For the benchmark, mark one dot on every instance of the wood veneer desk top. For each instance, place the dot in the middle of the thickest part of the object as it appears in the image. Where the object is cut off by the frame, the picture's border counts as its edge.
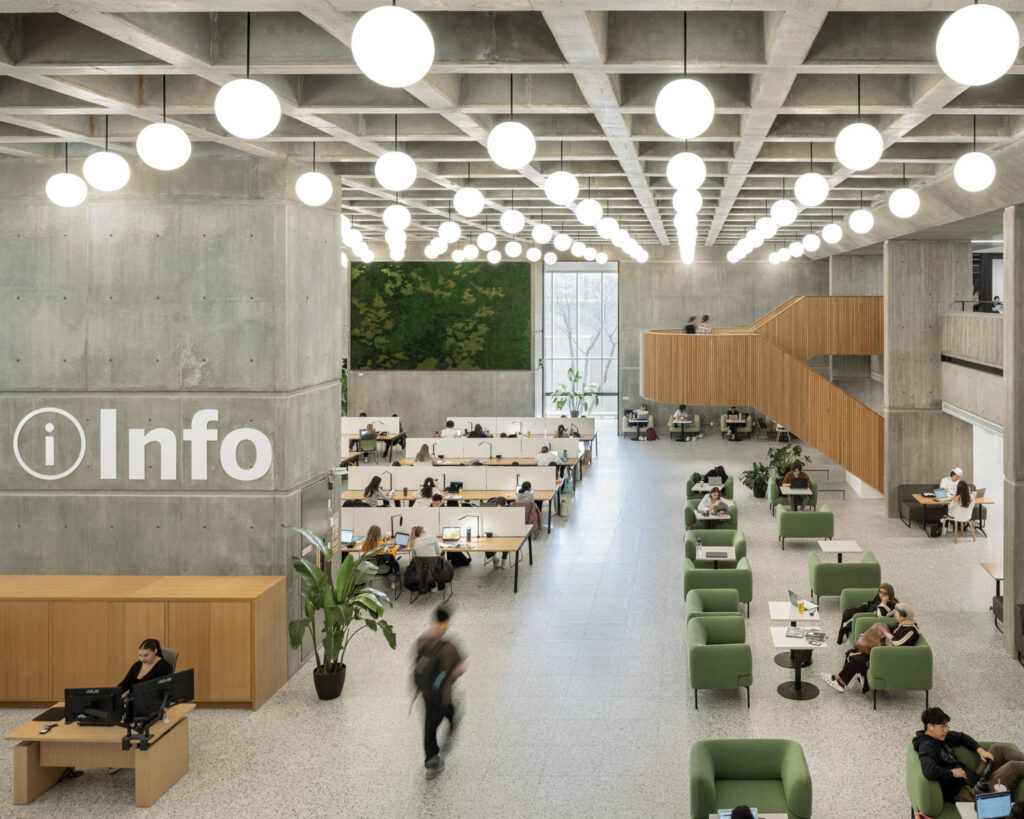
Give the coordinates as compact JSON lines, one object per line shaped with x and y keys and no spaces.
{"x":525,"y":461}
{"x":133,"y":587}
{"x":944,"y":501}
{"x":107,"y":734}
{"x":467,"y":494}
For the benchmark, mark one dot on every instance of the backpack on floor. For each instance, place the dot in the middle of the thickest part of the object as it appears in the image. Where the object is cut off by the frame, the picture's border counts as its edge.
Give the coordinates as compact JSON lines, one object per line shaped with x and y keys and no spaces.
{"x":935,"y":529}
{"x":459,"y":559}
{"x":651,"y":434}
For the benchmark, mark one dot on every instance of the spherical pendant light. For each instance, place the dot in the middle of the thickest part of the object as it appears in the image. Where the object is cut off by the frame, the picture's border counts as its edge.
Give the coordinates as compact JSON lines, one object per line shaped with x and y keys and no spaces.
{"x":563,"y":241}
{"x":861,"y":221}
{"x":685,"y":222}
{"x":396,"y":254}
{"x":974,"y":171}
{"x":247,"y":109}
{"x":577,"y":248}
{"x":395,"y":170}
{"x":784,"y":212}
{"x":733,"y":256}
{"x":811,"y":242}
{"x":449,"y":232}
{"x":487,"y":241}
{"x":470,"y":252}
{"x":754,"y":239}
{"x":561,"y":187}
{"x":904,"y":202}
{"x":590,"y":254}
{"x":589,"y":212}
{"x":687,"y":253}
{"x":541,"y":233}
{"x":811,"y":189}
{"x":686,"y":170}
{"x":392,"y":46}
{"x":355,"y":236}
{"x":550,"y":257}
{"x":511,"y":145}
{"x":430,"y":252}
{"x":859,"y":146}
{"x":106,"y":171}
{"x":397,"y":217}
{"x":314,"y":188}
{"x":684,"y":108}
{"x":796,"y":250}
{"x":394,"y":236}
{"x":458,"y":256}
{"x":494,"y":256}
{"x":367,"y":256}
{"x":533,"y":254}
{"x":512,"y":221}
{"x":620,"y":237}
{"x":68,"y":190}
{"x":513,"y":249}
{"x":468,"y":202}
{"x":602,"y":257}
{"x":766,"y":227}
{"x":977,"y":44}
{"x":605,"y":228}
{"x":773,"y":257}
{"x":832,"y":233}
{"x":687,"y":200}
{"x":784,"y":254}
{"x":163,"y":146}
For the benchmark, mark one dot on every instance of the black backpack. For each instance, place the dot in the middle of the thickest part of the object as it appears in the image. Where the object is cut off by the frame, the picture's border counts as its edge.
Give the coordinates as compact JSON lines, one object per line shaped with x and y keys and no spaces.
{"x":428,"y":674}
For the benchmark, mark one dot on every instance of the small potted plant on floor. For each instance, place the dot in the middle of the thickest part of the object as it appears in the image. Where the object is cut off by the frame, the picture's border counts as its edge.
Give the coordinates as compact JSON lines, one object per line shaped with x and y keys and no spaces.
{"x":756,"y":479}
{"x":578,"y":397}
{"x":346,"y":606}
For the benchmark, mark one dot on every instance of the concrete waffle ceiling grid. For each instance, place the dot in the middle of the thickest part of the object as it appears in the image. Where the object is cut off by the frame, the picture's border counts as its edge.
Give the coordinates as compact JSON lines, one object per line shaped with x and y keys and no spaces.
{"x":585,"y":77}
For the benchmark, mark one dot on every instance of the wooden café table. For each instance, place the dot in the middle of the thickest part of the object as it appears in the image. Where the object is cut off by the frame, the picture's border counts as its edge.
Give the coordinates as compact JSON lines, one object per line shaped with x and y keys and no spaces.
{"x":572,"y":463}
{"x":931,"y":503}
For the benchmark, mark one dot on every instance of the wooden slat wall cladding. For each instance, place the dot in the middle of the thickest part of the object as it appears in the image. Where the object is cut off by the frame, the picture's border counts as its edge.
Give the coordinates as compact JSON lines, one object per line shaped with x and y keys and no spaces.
{"x":747,"y":368}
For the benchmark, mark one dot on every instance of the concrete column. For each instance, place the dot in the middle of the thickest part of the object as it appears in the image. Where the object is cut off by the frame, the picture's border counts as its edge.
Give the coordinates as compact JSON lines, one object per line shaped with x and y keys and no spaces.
{"x":921,"y":442}
{"x":853,"y":276}
{"x":1013,"y":435}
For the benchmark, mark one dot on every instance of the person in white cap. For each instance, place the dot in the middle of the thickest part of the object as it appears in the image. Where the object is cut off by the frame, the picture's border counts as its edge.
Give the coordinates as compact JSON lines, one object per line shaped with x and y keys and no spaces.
{"x":949,"y":484}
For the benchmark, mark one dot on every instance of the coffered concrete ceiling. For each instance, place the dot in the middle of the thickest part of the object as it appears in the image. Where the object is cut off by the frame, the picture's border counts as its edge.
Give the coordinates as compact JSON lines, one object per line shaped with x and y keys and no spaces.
{"x":586,"y":73}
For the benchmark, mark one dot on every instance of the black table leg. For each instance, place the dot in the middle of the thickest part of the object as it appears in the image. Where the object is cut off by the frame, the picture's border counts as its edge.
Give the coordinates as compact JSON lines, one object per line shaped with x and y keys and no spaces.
{"x":798,"y":689}
{"x":515,"y":580}
{"x":530,"y":541}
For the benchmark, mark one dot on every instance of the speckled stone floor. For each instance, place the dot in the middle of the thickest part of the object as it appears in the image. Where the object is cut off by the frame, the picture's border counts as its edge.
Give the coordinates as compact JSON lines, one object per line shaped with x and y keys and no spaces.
{"x":576,"y":702}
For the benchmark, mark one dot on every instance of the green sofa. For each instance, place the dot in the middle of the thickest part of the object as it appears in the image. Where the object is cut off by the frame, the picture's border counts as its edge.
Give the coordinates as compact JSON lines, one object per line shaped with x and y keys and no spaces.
{"x":818,"y":525}
{"x":850,"y":598}
{"x":768,"y":774}
{"x":727,"y":489}
{"x":690,"y":517}
{"x":712,"y":603}
{"x":829,"y":579}
{"x":926,"y":796}
{"x":719,"y":654}
{"x":715,"y":537}
{"x":776,"y":498}
{"x":741,"y":579}
{"x":896,"y":668}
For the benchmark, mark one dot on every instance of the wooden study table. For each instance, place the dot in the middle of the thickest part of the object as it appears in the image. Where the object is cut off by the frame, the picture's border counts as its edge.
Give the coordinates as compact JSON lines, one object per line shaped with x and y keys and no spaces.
{"x":573,"y":463}
{"x":40,"y":759}
{"x":931,"y":503}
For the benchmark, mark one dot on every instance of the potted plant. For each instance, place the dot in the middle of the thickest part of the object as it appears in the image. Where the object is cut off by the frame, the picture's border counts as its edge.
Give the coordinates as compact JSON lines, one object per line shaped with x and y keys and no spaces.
{"x":756,"y":479}
{"x":347,"y":606}
{"x":578,"y":397}
{"x":780,"y":458}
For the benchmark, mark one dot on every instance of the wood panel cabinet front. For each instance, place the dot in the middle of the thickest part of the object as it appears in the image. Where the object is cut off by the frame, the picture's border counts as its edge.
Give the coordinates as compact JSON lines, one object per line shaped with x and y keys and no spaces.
{"x":25,"y":637}
{"x":215,"y":638}
{"x":130,"y":624}
{"x":79,"y":645}
{"x":188,"y":631}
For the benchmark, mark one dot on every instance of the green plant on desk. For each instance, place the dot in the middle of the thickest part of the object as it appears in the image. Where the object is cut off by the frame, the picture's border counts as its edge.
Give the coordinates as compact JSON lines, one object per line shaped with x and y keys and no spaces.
{"x":580,"y":398}
{"x":756,"y":478}
{"x":348,"y":605}
{"x":780,"y":458}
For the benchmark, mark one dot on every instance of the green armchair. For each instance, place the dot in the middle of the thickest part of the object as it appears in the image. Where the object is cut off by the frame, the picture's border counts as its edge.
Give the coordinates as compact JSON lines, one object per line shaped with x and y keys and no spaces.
{"x":716,"y":537}
{"x":775,"y":496}
{"x":768,"y":774}
{"x":741,"y":579}
{"x":819,"y":525}
{"x":712,"y":603}
{"x":851,"y":598}
{"x":719,"y":654}
{"x":690,"y":517}
{"x":830,"y":579}
{"x":926,"y":795}
{"x":896,"y":668}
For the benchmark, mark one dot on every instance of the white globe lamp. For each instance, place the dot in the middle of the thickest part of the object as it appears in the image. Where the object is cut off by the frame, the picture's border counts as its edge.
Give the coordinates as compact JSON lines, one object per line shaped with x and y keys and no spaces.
{"x":561,"y":187}
{"x":606,"y":227}
{"x":550,"y":257}
{"x":394,"y":236}
{"x":563,"y":241}
{"x":494,"y":256}
{"x":602,"y":257}
{"x":395,"y":170}
{"x":68,"y":190}
{"x":513,"y":249}
{"x":811,"y":189}
{"x":859,"y":146}
{"x":396,"y":254}
{"x":512,"y":221}
{"x":686,"y":170}
{"x":861,"y":221}
{"x":397,"y":217}
{"x":541,"y":233}
{"x":977,"y":44}
{"x":784,"y":212}
{"x":684,"y":108}
{"x":367,"y":256}
{"x":511,"y":145}
{"x":577,"y":248}
{"x":106,"y":171}
{"x":487,"y":241}
{"x":685,"y":222}
{"x":247,"y":109}
{"x":766,"y":227}
{"x":796,"y":250}
{"x":784,"y":254}
{"x":974,"y":171}
{"x":314,"y":188}
{"x":589,"y":212}
{"x":904,"y":202}
{"x":811,"y":242}
{"x":163,"y":146}
{"x":687,"y":254}
{"x":449,"y":232}
{"x":468,"y":202}
{"x":470,"y":252}
{"x":392,"y":46}
{"x":687,"y":200}
{"x":458,"y":256}
{"x":832,"y":233}
{"x":533,"y":254}
{"x":773,"y":257}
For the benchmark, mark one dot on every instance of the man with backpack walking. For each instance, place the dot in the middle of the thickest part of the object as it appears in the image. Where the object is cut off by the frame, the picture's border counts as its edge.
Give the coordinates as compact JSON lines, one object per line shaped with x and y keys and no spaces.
{"x":438,"y":664}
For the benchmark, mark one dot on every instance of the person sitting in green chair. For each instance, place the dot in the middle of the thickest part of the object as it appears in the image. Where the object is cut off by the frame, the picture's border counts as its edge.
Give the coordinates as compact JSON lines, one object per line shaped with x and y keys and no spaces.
{"x":882,"y":606}
{"x":714,"y":503}
{"x":854,"y":674}
{"x":935,"y":745}
{"x":742,"y":812}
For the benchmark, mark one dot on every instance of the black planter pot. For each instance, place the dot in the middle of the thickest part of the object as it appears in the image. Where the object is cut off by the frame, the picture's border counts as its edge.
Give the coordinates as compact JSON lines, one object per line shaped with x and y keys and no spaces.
{"x":328,"y":684}
{"x":574,"y":413}
{"x":760,"y":490}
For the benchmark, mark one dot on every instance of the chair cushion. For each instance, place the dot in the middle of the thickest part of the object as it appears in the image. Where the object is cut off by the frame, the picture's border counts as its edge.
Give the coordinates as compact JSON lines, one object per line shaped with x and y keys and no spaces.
{"x":764,"y":794}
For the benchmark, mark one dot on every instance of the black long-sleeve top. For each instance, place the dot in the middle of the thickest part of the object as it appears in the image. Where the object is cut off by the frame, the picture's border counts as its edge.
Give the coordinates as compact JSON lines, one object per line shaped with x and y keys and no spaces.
{"x":161,"y":669}
{"x":939,"y":760}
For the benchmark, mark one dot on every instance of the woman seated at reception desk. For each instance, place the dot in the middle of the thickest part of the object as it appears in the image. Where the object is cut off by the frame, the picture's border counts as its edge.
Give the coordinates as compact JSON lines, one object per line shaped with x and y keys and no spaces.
{"x":151,"y":665}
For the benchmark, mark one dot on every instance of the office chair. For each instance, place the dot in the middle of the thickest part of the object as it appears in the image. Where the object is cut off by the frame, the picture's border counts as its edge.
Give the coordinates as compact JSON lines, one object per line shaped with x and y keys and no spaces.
{"x":171,"y":655}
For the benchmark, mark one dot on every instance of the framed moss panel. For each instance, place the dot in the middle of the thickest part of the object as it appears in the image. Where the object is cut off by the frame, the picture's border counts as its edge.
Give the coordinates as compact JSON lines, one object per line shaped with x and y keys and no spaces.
{"x":440,"y":316}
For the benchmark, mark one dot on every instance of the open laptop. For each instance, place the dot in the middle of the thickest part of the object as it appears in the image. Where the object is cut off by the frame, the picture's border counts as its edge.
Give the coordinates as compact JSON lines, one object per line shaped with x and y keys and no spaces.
{"x":940,"y":494}
{"x":450,"y":534}
{"x":726,"y":813}
{"x":800,"y":483}
{"x":993,"y":805}
{"x":346,"y":538}
{"x":795,"y":600}
{"x":720,"y":507}
{"x":362,"y":432}
{"x":401,"y":540}
{"x":715,"y":480}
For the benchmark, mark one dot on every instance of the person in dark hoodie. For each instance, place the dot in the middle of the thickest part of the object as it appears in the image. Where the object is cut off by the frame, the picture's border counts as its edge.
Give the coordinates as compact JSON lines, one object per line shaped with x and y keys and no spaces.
{"x":936,"y":744}
{"x":881,"y":606}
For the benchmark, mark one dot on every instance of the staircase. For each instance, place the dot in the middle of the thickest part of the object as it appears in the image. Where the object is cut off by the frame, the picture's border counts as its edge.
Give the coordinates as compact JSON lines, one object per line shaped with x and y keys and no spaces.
{"x":763,"y":366}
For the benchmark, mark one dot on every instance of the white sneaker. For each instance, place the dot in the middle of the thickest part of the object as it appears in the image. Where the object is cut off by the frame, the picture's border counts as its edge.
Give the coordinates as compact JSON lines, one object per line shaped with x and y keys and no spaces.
{"x":495,"y":561}
{"x":832,"y":682}
{"x":504,"y":561}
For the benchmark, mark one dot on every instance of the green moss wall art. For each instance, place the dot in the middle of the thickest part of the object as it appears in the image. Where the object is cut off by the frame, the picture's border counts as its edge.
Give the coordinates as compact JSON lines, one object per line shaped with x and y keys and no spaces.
{"x":440,"y":316}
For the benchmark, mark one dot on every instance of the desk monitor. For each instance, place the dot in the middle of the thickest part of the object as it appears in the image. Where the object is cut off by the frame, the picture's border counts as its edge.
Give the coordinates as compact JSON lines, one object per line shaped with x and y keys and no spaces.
{"x":93,"y":706}
{"x":401,"y":539}
{"x":450,"y":533}
{"x":994,"y":805}
{"x":151,"y":697}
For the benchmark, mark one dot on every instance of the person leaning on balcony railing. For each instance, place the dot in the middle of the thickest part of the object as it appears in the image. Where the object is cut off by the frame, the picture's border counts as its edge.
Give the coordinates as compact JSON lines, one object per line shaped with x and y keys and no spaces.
{"x":704,"y":328}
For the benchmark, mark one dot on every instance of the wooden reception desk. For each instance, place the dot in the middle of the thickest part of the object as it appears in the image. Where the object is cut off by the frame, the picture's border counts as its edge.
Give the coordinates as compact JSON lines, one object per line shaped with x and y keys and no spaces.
{"x":71,"y":631}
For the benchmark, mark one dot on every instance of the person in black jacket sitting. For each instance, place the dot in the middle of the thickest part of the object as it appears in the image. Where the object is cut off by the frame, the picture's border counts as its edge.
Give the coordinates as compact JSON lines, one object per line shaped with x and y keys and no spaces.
{"x":151,"y":665}
{"x":935,"y":746}
{"x":881,"y":606}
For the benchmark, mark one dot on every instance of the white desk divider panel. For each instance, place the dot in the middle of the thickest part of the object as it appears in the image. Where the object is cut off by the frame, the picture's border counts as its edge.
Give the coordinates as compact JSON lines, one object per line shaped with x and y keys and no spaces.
{"x":535,"y":426}
{"x":466,"y":424}
{"x":514,"y":448}
{"x":500,"y":521}
{"x":387,"y":424}
{"x":403,"y":477}
{"x":472,"y":477}
{"x":540,"y":477}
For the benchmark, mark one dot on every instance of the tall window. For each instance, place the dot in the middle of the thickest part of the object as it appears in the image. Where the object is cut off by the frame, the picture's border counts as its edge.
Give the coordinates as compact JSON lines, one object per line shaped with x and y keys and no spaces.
{"x":581,"y":330}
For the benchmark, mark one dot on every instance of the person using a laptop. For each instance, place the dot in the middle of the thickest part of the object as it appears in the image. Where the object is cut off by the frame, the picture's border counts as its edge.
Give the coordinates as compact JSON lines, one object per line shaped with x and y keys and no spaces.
{"x":797,"y":479}
{"x":714,"y":504}
{"x":373,"y":539}
{"x":935,"y":745}
{"x":426,"y":494}
{"x":449,"y":430}
{"x":478,"y":432}
{"x":373,"y":495}
{"x":949,"y":484}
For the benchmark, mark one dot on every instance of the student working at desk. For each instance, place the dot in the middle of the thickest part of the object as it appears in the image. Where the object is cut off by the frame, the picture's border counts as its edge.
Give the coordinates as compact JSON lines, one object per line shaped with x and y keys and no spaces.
{"x":373,"y":495}
{"x":449,"y":430}
{"x":374,"y":539}
{"x":714,"y":504}
{"x":949,"y":484}
{"x":796,"y":473}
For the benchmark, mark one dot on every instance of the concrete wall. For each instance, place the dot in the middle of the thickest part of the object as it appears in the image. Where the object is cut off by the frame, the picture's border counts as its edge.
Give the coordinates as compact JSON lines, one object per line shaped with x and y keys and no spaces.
{"x":974,"y":337}
{"x":663,"y":293}
{"x":210,"y":288}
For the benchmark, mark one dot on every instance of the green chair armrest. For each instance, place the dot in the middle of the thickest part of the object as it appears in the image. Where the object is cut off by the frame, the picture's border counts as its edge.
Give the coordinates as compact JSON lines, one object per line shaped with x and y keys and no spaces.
{"x":796,"y":781}
{"x":863,"y":621}
{"x":856,"y":596}
{"x":703,"y":797}
{"x":722,"y":630}
{"x":711,"y":602}
{"x":925,"y":795}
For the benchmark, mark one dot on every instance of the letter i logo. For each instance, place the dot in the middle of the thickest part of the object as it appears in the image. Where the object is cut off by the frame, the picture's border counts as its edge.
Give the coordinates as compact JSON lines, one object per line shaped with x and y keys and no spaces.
{"x":49,"y":448}
{"x":48,"y":458}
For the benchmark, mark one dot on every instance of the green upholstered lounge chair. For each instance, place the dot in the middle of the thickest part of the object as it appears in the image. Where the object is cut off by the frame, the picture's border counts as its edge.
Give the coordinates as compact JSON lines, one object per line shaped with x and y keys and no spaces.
{"x":849,"y":598}
{"x":712,"y":603}
{"x":715,"y":537}
{"x":690,"y":517}
{"x":926,"y":796}
{"x":768,"y":774}
{"x":727,"y":489}
{"x":819,"y":525}
{"x":896,"y":668}
{"x":741,"y":579}
{"x":829,"y":579}
{"x":719,"y":654}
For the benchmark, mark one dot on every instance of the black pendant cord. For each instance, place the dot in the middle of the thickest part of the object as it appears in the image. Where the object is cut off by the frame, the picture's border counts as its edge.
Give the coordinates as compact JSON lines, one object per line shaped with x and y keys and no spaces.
{"x":974,"y":131}
{"x":511,"y":108}
{"x":65,"y":157}
{"x":783,"y":187}
{"x":106,"y":135}
{"x":858,"y":98}
{"x":165,"y":99}
{"x":314,"y":156}
{"x":561,"y":155}
{"x":248,"y":41}
{"x":684,"y":44}
{"x":812,"y":157}
{"x":904,"y":174}
{"x":396,"y":132}
{"x":467,"y":175}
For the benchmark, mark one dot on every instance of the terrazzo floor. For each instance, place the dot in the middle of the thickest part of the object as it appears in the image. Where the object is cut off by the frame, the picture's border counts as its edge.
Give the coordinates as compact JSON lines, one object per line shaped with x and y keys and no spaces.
{"x":576,"y":701}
